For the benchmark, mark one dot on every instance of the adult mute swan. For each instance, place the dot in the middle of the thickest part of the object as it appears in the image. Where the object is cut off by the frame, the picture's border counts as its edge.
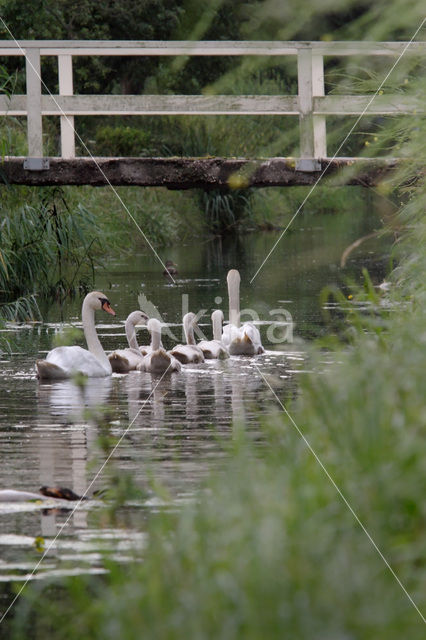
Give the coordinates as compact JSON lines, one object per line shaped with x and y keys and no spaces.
{"x":157,"y":360}
{"x":189,"y":352}
{"x":125,"y":360}
{"x":214,"y":349}
{"x":63,"y":362}
{"x":245,"y":340}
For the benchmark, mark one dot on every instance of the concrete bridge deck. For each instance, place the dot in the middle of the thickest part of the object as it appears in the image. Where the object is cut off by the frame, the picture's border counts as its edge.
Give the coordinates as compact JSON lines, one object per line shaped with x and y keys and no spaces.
{"x":204,"y":173}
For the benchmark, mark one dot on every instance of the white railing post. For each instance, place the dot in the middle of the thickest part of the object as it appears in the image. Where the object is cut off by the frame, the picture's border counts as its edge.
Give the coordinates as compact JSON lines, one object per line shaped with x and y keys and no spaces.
{"x":67,"y":122}
{"x":34,"y":122}
{"x":320,"y":135}
{"x":310,"y":72}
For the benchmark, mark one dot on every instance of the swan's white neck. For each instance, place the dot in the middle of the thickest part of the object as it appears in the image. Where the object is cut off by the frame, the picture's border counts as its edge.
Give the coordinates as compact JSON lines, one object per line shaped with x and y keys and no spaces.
{"x":188,"y":329}
{"x":217,"y":319}
{"x":234,"y":297}
{"x":131,"y":335}
{"x":155,"y":329}
{"x":93,"y":344}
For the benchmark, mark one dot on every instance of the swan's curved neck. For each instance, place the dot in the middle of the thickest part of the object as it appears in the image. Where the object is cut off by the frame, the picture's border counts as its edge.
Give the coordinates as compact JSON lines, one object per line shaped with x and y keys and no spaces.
{"x":217,"y":325}
{"x":93,"y":344}
{"x":131,"y":335}
{"x":234,"y":298}
{"x":155,"y":329}
{"x":189,"y":330}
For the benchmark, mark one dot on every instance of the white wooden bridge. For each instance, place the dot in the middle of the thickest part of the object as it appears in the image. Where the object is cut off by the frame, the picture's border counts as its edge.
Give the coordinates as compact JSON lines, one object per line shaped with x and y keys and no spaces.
{"x":310,"y":105}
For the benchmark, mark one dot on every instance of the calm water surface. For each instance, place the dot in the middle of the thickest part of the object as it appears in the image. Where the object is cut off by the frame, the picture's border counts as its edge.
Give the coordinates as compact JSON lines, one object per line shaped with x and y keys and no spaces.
{"x":177,"y":429}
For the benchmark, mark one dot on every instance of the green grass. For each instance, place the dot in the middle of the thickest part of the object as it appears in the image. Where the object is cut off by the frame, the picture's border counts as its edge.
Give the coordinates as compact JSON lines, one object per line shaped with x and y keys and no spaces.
{"x":46,"y":246}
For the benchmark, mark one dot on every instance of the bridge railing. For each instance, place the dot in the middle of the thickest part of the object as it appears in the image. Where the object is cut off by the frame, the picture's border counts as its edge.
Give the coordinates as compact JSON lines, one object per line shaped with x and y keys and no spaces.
{"x":310,"y":105}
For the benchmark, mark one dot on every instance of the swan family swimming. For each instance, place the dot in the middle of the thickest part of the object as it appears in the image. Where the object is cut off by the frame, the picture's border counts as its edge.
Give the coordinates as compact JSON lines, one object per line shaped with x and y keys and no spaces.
{"x":232,"y":340}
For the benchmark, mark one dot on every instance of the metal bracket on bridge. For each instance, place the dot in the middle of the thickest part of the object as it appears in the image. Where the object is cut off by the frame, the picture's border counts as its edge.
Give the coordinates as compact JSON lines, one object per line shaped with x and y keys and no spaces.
{"x":309,"y":165}
{"x":36,"y":164}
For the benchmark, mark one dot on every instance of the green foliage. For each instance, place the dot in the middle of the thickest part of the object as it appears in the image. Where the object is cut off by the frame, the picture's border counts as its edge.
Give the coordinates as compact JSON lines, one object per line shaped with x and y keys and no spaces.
{"x":122,"y":141}
{"x":365,"y":310}
{"x":45,"y":247}
{"x":164,"y":216}
{"x":23,"y":308}
{"x":226,"y":211}
{"x":90,"y":19}
{"x":68,"y":335}
{"x":7,"y":82}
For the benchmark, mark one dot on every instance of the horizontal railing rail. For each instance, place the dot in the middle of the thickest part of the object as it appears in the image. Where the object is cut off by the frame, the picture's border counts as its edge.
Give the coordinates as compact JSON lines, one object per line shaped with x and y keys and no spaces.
{"x":311,"y":104}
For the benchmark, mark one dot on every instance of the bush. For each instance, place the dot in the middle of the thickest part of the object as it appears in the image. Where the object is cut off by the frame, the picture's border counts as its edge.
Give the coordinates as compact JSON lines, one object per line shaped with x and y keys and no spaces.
{"x":46,"y":247}
{"x":122,"y":141}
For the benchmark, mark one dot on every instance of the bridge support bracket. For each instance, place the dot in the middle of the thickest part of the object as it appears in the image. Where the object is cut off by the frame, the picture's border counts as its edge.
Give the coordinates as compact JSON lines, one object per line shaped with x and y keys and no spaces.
{"x":309,"y":165}
{"x":36,"y":164}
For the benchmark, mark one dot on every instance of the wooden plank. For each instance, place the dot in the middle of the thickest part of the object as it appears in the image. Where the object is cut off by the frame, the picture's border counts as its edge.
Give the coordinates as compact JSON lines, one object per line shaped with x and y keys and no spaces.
{"x":67,"y":122}
{"x":380,"y":104}
{"x":33,"y":106}
{"x":155,"y":105}
{"x":13,"y":106}
{"x":203,"y":48}
{"x":319,"y":123}
{"x":304,"y":81}
{"x":209,"y":105}
{"x":189,"y":173}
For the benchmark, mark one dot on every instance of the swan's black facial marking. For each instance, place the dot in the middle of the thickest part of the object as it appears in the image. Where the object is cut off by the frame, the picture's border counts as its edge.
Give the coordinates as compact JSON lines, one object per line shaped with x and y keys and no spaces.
{"x":106,"y":306}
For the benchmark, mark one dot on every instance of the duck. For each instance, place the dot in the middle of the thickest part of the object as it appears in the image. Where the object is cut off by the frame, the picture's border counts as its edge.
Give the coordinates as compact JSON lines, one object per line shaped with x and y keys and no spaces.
{"x":171,"y":268}
{"x":245,"y":340}
{"x":158,"y":360}
{"x":125,"y":360}
{"x":64,"y":362}
{"x":189,"y":352}
{"x":214,"y":349}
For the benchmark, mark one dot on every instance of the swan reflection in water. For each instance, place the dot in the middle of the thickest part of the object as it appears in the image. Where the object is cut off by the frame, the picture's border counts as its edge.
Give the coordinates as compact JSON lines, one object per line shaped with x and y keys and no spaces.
{"x":69,"y":455}
{"x":173,"y":422}
{"x":66,"y":398}
{"x":210,"y":396}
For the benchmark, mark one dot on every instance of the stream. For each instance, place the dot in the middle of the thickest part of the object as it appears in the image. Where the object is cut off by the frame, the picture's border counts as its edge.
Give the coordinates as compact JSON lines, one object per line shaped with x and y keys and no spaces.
{"x":176,"y":430}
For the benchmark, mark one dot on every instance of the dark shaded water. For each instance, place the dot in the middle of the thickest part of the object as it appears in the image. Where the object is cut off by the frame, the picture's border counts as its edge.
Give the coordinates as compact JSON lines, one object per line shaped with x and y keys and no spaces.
{"x":177,"y":429}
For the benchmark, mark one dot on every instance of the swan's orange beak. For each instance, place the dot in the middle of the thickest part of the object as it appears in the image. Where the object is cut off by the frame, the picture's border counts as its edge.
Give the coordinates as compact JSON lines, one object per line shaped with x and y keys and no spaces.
{"x":107,"y":307}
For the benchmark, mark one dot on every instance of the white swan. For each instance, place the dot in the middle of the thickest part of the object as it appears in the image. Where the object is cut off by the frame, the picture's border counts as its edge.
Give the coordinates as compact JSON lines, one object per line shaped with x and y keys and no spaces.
{"x":63,"y":362}
{"x":188,"y":352}
{"x":157,"y":360}
{"x":245,"y":340}
{"x":214,"y":349}
{"x":125,"y":360}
